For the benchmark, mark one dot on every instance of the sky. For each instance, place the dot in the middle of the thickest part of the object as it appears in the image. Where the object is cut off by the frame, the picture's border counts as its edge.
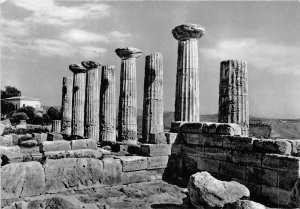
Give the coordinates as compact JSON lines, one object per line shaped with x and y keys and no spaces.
{"x":40,"y":39}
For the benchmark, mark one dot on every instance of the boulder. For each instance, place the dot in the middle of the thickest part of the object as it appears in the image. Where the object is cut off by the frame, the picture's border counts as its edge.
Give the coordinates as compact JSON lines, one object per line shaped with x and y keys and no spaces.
{"x":2,"y":128}
{"x":6,"y":140}
{"x":245,"y":204}
{"x":29,"y":143}
{"x":7,"y":123}
{"x":207,"y":192}
{"x":73,"y":173}
{"x":22,"y":180}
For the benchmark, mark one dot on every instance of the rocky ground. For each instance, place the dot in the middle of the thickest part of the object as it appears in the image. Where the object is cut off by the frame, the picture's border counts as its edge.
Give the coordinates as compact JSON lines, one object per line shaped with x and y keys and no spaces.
{"x":156,"y":194}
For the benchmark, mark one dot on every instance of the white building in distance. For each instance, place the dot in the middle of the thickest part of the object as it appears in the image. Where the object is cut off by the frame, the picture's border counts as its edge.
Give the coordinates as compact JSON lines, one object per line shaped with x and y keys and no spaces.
{"x":24,"y":101}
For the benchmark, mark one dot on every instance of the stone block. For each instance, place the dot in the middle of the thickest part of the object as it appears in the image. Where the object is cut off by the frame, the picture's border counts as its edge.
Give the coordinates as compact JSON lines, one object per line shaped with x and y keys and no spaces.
{"x":142,"y":176}
{"x":44,"y":136}
{"x":247,"y":158}
{"x":191,"y":127}
{"x":172,"y":138}
{"x":278,"y":146}
{"x":112,"y":171}
{"x":208,"y":165}
{"x":193,"y":150}
{"x":175,"y":126}
{"x":22,"y":180}
{"x":29,"y":143}
{"x":238,"y":142}
{"x":278,"y":197}
{"x":212,"y":140}
{"x":192,"y":139}
{"x":295,"y":147}
{"x":73,"y":173}
{"x":6,"y":140}
{"x":133,"y":163}
{"x":157,"y":138}
{"x":155,"y":150}
{"x":176,"y":149}
{"x":15,"y":139}
{"x":15,"y":149}
{"x":54,"y":137}
{"x":157,"y":162}
{"x":83,"y":153}
{"x":83,"y":144}
{"x":231,"y":129}
{"x":10,"y":154}
{"x":2,"y":128}
{"x":232,"y":170}
{"x":262,"y":176}
{"x":189,"y":164}
{"x":287,"y":180}
{"x":133,"y":149}
{"x":281,"y":163}
{"x":47,"y":146}
{"x":40,"y":137}
{"x":217,"y":154}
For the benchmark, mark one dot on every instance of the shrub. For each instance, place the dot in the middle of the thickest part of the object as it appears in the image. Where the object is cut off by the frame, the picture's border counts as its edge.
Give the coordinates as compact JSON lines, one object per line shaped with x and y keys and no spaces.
{"x":16,"y":117}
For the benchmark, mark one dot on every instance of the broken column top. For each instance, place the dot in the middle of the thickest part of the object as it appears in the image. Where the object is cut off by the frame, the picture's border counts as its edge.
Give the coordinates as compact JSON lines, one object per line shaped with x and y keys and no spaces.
{"x":129,"y":52}
{"x":90,"y":64}
{"x":234,"y":63}
{"x":77,"y":68}
{"x":188,"y":31}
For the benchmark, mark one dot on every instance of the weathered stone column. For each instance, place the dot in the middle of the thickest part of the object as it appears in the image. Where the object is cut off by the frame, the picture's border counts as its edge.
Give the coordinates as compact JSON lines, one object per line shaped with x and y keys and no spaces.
{"x":187,"y":101}
{"x":66,"y":105}
{"x":91,"y":122}
{"x":128,"y":95}
{"x":233,"y":94}
{"x":56,"y":126}
{"x":153,"y":107}
{"x":78,"y":103}
{"x":108,"y":104}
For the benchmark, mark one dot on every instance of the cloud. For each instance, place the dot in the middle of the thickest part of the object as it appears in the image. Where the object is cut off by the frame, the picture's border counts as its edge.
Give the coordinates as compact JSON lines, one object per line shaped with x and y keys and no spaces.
{"x":91,"y":51}
{"x":51,"y":13}
{"x":81,"y":36}
{"x":272,"y":57}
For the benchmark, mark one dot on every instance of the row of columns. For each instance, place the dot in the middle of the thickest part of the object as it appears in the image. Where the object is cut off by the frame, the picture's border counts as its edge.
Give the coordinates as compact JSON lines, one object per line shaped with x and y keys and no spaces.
{"x":233,"y":95}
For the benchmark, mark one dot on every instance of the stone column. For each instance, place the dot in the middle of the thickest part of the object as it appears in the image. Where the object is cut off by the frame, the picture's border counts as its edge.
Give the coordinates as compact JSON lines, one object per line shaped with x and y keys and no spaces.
{"x":233,"y":94}
{"x":187,"y":101}
{"x":56,"y":126}
{"x":153,"y":107}
{"x":78,"y":102}
{"x":66,"y":105}
{"x":91,"y":122}
{"x":108,"y":104}
{"x":128,"y":95}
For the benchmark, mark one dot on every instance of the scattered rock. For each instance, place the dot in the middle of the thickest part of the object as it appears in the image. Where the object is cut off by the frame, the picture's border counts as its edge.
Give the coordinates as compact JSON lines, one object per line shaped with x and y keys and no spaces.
{"x":205,"y":191}
{"x":29,"y":143}
{"x":245,"y":204}
{"x":7,"y":123}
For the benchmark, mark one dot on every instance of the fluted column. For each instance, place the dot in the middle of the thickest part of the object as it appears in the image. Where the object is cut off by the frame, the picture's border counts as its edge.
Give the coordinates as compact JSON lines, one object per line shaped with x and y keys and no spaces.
{"x":78,"y":102}
{"x":233,"y":94}
{"x":66,"y":105}
{"x":91,"y":122}
{"x":56,"y":126}
{"x":108,"y":104}
{"x":128,"y":95}
{"x":153,"y":108}
{"x":187,"y":98}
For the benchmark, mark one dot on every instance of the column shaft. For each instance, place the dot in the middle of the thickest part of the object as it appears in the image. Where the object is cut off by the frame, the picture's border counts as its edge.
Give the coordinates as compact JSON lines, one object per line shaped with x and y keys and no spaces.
{"x":128,"y":101}
{"x":108,"y":104}
{"x":78,"y":104}
{"x":153,"y":96}
{"x":233,"y":94}
{"x":56,"y":126}
{"x":187,"y":101}
{"x":67,"y":105}
{"x":91,"y":123}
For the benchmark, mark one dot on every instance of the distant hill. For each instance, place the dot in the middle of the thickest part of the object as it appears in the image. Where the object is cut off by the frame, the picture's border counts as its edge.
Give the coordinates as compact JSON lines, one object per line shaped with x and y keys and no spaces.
{"x":259,"y":127}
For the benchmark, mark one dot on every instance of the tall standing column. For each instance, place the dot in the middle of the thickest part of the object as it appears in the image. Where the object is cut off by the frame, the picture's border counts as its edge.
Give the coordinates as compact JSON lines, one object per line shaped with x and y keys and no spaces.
{"x":187,"y":98}
{"x":78,"y":103}
{"x":91,"y":122}
{"x":128,"y":95}
{"x":56,"y":126}
{"x":153,"y":109}
{"x":66,"y":105}
{"x":108,"y":104}
{"x":233,"y":94}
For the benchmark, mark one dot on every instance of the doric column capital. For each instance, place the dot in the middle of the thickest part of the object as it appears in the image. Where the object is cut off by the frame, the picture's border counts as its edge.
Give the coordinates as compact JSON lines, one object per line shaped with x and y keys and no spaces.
{"x":128,"y":52}
{"x":188,"y":31}
{"x":90,"y":64}
{"x":77,"y":68}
